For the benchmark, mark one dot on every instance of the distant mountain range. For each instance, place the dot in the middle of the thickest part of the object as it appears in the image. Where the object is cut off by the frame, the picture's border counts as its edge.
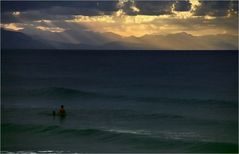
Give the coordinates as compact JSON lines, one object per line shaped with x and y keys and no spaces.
{"x":18,"y":40}
{"x":102,"y":41}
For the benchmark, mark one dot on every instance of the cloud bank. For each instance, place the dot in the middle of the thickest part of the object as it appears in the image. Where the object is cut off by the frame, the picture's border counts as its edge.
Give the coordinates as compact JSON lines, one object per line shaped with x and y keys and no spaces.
{"x":124,"y":18}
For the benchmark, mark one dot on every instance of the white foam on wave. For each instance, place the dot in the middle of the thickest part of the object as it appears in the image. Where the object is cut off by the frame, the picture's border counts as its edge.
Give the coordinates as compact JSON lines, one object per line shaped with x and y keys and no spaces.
{"x":138,"y":132}
{"x":178,"y":135}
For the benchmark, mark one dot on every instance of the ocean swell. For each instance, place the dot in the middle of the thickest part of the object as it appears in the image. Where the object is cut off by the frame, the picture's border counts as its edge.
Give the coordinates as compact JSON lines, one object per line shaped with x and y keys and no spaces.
{"x":143,"y":140}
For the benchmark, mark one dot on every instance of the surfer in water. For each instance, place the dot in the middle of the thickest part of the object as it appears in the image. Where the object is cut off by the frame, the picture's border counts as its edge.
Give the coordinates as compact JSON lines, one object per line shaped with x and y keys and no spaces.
{"x":62,"y":111}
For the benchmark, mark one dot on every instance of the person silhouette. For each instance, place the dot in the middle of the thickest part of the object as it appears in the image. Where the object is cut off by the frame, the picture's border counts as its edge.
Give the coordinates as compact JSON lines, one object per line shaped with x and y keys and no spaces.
{"x":62,"y":111}
{"x":53,"y":113}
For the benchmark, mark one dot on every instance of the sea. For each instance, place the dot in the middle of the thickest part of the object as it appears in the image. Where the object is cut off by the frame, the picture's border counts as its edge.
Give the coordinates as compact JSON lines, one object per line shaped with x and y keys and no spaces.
{"x":119,"y":101}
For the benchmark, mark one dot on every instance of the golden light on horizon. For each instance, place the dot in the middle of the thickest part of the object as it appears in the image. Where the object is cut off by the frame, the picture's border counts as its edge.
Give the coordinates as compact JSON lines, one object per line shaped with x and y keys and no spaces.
{"x":126,"y":24}
{"x":43,"y":21}
{"x":208,"y":17}
{"x":51,"y":29}
{"x":138,"y":25}
{"x":129,"y":21}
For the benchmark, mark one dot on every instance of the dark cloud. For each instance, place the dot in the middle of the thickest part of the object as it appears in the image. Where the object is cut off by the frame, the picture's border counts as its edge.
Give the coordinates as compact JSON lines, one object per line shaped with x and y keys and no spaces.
{"x":154,"y":7}
{"x":50,"y":10}
{"x":182,"y":5}
{"x":32,"y":15}
{"x":10,"y":6}
{"x":109,"y":6}
{"x":92,"y":8}
{"x":216,"y":8}
{"x":88,"y":7}
{"x":63,"y":10}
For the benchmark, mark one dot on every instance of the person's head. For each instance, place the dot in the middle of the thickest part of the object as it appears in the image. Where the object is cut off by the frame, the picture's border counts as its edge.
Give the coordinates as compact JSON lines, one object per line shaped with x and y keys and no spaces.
{"x":62,"y":106}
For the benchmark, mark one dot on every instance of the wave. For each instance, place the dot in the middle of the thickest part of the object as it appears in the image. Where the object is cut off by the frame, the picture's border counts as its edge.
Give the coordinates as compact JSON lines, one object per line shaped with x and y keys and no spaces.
{"x":142,"y":141}
{"x":60,"y":92}
{"x":55,"y":129}
{"x":154,"y":99}
{"x":68,"y":93}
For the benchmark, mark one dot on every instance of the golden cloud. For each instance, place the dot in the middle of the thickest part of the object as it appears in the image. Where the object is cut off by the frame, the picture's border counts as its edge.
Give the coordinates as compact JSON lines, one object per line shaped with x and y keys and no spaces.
{"x":138,"y":25}
{"x":12,"y":26}
{"x":51,"y":29}
{"x":17,"y":13}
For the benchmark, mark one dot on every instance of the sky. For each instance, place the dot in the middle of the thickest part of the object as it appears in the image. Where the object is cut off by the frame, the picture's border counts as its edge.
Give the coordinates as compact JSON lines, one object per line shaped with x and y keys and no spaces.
{"x":61,"y":20}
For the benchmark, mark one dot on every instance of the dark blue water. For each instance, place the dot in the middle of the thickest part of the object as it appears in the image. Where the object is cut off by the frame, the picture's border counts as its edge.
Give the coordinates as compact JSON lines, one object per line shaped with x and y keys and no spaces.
{"x":120,"y":101}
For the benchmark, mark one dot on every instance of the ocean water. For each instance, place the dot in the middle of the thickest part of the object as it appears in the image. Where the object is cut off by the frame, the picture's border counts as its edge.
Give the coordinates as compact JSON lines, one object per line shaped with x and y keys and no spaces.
{"x":119,"y":101}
